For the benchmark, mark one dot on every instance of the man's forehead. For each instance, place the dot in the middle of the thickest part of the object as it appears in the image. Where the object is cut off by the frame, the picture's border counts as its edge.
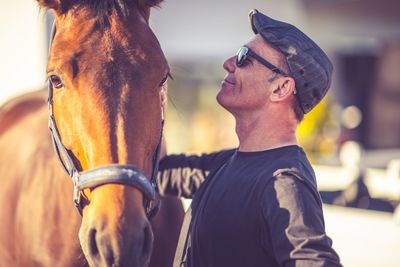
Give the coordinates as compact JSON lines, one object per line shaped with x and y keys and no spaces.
{"x":261,"y":47}
{"x":255,"y":41}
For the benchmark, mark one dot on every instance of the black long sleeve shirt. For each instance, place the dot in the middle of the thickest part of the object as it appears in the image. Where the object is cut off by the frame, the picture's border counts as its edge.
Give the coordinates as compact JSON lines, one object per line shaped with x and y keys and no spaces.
{"x":253,"y":208}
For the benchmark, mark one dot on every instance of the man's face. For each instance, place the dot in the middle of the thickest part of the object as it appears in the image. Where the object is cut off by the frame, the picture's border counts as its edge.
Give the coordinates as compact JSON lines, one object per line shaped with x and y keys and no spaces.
{"x":248,"y":87}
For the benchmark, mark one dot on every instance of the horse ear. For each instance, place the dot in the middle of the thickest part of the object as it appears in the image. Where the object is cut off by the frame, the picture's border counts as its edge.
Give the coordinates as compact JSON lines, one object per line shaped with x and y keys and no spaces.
{"x":149,"y":3}
{"x":59,"y":6}
{"x":146,"y":5}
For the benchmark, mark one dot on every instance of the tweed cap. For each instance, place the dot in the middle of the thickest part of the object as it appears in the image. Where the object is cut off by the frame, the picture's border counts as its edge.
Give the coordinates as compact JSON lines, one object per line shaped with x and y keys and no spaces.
{"x":309,"y":66}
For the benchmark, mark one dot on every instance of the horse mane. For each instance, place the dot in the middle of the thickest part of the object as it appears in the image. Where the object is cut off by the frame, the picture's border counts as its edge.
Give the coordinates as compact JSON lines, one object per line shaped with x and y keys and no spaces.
{"x":102,"y":8}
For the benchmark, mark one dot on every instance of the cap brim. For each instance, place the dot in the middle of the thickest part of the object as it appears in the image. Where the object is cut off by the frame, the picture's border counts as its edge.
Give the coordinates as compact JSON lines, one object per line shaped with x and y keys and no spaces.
{"x":252,"y":14}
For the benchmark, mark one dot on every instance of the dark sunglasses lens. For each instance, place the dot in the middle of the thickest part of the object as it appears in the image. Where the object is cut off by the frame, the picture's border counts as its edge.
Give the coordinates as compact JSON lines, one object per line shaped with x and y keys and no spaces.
{"x":241,"y":56}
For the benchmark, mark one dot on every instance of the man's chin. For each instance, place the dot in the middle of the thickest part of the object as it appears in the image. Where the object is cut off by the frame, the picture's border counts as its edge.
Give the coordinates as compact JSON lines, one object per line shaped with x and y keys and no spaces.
{"x":223,"y":100}
{"x":220,"y":97}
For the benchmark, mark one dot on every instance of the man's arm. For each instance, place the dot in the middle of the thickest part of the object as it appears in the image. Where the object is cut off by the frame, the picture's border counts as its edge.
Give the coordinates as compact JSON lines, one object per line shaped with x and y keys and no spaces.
{"x":293,"y":218}
{"x":181,"y":175}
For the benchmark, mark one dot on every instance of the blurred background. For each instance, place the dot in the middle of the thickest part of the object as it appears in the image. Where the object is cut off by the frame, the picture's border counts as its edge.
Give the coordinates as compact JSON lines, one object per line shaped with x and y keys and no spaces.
{"x":352,"y":137}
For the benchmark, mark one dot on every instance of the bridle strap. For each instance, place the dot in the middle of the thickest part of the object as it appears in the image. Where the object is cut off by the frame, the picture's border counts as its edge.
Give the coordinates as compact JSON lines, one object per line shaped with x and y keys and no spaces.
{"x":114,"y":174}
{"x":61,"y":152}
{"x":156,"y":160}
{"x":154,"y":206}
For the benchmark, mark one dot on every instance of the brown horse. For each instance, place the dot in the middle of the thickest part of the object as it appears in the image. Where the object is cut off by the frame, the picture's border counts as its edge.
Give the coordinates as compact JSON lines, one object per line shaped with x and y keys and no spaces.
{"x":107,"y":75}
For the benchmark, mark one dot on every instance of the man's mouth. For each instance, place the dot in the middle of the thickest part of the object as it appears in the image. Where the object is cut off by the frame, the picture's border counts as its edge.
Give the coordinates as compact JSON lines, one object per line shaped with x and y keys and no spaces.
{"x":229,"y":80}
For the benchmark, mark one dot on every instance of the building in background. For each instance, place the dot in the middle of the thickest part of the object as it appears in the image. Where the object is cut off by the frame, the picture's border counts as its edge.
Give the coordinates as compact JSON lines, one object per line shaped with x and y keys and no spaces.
{"x":364,"y":39}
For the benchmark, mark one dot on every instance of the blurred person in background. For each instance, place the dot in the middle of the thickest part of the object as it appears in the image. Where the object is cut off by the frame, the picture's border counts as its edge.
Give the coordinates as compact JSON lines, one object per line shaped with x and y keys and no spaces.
{"x":258,"y":204}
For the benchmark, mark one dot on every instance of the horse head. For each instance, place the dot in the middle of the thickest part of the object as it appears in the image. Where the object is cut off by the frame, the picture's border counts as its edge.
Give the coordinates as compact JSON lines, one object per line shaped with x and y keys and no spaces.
{"x":106,"y":75}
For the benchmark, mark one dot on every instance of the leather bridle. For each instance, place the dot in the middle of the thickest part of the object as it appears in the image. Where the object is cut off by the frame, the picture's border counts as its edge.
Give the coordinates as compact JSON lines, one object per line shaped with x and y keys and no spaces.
{"x":111,"y":174}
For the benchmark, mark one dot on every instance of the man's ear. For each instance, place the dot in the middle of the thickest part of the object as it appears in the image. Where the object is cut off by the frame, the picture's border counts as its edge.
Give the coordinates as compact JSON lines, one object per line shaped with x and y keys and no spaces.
{"x":283,"y":87}
{"x":59,"y":6}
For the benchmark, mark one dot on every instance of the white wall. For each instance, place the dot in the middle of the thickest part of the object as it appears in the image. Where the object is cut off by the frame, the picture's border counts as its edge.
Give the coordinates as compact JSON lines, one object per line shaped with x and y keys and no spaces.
{"x":22,"y":47}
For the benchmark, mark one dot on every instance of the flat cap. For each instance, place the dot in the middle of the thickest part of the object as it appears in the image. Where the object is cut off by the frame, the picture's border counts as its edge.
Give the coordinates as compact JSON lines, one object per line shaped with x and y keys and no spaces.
{"x":309,"y":66}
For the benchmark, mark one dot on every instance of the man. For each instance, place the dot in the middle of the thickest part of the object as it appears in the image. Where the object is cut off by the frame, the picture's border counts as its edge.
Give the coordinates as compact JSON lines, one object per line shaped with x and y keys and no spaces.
{"x":259,"y":204}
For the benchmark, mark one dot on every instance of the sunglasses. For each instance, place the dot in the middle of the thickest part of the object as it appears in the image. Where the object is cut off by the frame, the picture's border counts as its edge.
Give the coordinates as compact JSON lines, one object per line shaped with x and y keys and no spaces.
{"x":245,"y":52}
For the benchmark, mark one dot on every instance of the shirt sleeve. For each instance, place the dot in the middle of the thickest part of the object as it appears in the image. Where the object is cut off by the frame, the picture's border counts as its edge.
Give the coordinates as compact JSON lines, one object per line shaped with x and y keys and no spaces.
{"x":181,"y":175}
{"x":293,"y":220}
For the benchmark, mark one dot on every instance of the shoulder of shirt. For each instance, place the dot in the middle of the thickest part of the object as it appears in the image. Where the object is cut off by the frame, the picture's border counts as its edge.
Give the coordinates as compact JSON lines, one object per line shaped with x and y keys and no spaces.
{"x":295,"y":168}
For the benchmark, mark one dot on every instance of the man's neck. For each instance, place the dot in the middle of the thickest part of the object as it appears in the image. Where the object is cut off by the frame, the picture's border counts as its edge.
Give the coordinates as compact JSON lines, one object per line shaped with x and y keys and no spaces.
{"x":258,"y":132}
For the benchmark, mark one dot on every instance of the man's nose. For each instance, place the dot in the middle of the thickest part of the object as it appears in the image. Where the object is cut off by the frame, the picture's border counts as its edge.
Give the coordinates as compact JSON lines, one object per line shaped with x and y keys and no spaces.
{"x":230,"y":64}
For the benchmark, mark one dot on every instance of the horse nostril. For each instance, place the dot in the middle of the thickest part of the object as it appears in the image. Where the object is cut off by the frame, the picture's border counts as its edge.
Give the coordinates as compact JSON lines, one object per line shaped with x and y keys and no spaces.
{"x":92,"y":244}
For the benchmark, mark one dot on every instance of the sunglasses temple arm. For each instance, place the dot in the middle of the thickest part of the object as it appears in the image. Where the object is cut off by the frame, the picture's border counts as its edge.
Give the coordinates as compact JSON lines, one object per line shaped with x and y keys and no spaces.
{"x":266,"y":63}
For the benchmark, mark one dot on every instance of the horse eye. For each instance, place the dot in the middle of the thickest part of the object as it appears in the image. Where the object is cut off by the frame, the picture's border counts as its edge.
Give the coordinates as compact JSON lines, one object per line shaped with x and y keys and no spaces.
{"x":164,"y":80}
{"x":56,"y":81}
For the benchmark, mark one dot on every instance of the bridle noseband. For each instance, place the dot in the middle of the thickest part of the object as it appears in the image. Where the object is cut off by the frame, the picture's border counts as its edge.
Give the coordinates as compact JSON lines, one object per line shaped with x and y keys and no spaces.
{"x":112,"y":174}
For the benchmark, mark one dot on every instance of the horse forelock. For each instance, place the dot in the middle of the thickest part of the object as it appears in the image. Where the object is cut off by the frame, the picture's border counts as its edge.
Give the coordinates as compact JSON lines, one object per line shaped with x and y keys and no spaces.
{"x":103,"y":8}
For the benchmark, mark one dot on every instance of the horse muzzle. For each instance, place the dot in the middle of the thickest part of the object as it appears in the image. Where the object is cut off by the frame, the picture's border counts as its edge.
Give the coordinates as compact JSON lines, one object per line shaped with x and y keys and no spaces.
{"x":110,"y":237}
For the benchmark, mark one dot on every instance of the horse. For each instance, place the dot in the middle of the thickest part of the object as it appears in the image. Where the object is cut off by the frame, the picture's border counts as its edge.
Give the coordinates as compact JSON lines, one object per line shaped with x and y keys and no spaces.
{"x":104,"y":106}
